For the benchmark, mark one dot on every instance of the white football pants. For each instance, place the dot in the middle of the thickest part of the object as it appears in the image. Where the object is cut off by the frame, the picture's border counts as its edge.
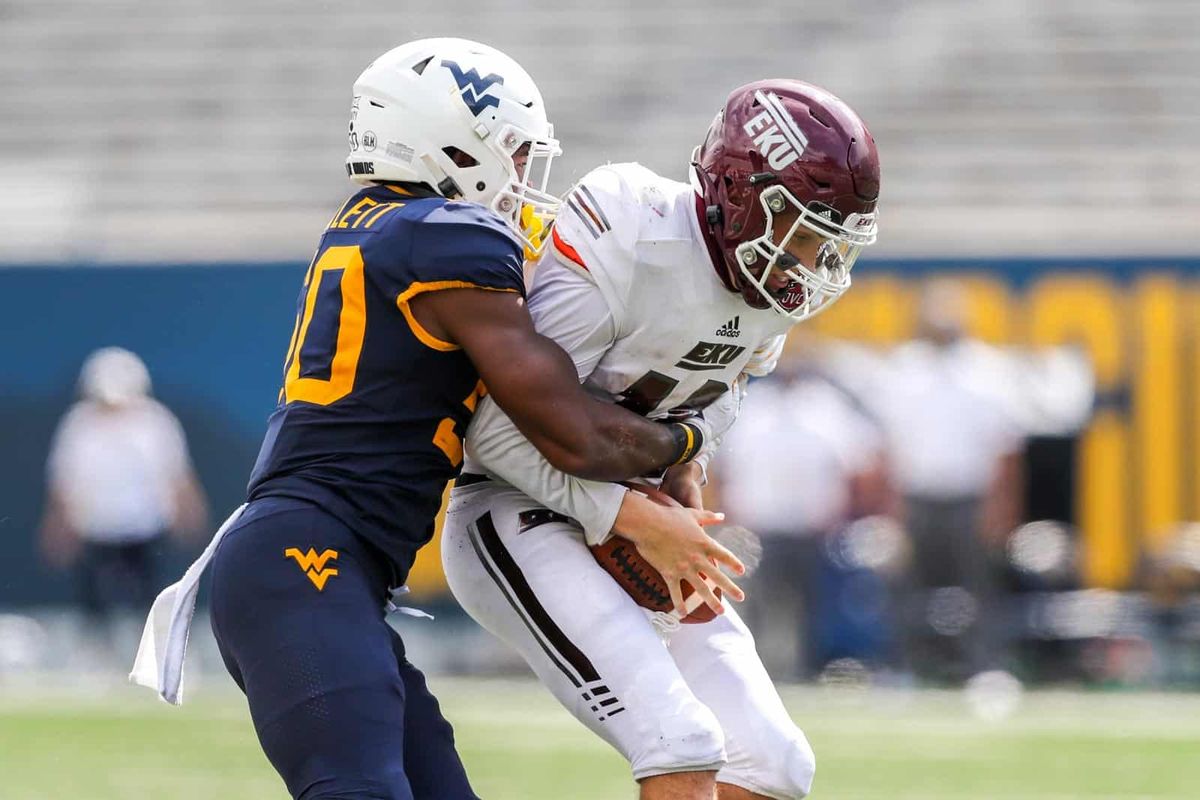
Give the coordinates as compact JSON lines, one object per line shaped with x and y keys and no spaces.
{"x":700,"y":700}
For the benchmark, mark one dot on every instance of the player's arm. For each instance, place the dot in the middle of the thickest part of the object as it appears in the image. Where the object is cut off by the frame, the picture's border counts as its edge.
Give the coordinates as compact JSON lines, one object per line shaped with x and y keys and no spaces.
{"x":671,"y":539}
{"x":536,"y":383}
{"x":58,"y":539}
{"x":570,"y":308}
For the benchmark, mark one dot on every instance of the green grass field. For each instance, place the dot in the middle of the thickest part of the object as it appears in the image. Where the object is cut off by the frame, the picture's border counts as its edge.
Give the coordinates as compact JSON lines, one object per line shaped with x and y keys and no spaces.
{"x":123,"y":744}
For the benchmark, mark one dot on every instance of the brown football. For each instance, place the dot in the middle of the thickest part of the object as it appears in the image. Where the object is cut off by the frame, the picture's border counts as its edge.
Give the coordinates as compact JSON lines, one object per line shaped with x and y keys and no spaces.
{"x":621,"y":559}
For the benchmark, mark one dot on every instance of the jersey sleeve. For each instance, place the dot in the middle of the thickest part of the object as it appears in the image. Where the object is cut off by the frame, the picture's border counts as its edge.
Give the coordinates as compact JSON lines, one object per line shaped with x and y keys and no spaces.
{"x":453,"y":246}
{"x":766,"y":357}
{"x":495,"y":446}
{"x":569,"y":308}
{"x":596,"y":232}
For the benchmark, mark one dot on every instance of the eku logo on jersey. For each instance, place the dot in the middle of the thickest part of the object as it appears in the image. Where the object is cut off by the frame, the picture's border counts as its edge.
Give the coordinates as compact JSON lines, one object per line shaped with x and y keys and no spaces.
{"x":775,"y":133}
{"x":710,"y":355}
{"x":314,"y":565}
{"x":473,"y":89}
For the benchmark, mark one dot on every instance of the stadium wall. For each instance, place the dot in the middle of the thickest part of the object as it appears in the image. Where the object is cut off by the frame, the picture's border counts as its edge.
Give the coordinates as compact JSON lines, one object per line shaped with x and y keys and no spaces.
{"x":214,"y":338}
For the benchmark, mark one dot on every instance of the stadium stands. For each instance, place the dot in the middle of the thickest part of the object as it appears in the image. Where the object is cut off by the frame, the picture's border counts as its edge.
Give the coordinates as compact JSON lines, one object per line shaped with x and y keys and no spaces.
{"x":1007,"y":128}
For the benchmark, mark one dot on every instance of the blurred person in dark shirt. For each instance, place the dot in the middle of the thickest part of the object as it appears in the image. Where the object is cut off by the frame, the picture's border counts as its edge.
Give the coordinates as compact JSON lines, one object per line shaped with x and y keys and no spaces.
{"x":955,"y":453}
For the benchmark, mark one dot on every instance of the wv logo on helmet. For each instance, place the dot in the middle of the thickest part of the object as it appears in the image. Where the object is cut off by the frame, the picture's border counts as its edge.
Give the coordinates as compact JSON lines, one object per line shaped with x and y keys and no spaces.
{"x":474,"y":88}
{"x":314,"y":565}
{"x":775,"y":133}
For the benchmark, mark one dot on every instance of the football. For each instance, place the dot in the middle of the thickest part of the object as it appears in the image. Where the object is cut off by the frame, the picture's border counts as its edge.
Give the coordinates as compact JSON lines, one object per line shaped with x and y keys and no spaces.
{"x":621,"y":559}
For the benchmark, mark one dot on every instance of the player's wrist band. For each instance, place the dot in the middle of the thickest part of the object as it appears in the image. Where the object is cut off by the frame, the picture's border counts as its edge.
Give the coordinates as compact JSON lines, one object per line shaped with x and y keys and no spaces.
{"x":689,"y":439}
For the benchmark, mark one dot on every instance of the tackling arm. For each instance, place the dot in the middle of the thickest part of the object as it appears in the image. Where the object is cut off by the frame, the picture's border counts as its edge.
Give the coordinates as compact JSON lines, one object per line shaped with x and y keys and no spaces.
{"x":535,"y":382}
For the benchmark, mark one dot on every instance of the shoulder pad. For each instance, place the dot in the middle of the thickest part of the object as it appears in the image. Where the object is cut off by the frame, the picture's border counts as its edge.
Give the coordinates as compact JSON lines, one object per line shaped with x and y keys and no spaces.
{"x":453,"y":212}
{"x":465,"y":242}
{"x":607,"y":216}
{"x":602,"y":216}
{"x":597,"y":230}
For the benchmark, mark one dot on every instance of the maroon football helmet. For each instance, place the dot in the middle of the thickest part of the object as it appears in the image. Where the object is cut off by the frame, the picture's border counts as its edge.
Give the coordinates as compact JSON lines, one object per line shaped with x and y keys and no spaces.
{"x":778,"y":147}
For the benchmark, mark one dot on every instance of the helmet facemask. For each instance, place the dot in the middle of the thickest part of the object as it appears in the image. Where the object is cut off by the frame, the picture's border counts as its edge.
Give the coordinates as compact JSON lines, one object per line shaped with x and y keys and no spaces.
{"x":812,"y":287}
{"x":524,"y":202}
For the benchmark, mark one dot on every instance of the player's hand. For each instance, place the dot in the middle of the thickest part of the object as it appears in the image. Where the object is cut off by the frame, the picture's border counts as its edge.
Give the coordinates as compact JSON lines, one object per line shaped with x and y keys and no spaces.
{"x":673,"y":540}
{"x":682,"y":482}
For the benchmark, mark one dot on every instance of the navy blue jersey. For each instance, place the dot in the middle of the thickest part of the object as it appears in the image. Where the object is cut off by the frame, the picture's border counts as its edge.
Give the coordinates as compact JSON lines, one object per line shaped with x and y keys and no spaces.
{"x":373,"y":407}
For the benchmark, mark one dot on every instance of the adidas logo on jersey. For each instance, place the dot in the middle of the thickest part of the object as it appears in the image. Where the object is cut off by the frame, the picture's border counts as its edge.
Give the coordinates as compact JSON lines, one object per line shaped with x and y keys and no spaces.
{"x":730,"y":329}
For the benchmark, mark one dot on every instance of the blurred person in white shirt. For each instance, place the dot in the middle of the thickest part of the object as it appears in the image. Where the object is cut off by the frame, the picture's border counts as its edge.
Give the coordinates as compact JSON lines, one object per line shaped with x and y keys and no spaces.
{"x":119,"y":479}
{"x":955,"y":454}
{"x":804,"y":460}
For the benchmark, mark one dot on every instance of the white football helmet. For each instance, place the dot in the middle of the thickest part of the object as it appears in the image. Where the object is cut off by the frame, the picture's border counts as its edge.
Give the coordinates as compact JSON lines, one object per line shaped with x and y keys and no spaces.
{"x":463,"y":118}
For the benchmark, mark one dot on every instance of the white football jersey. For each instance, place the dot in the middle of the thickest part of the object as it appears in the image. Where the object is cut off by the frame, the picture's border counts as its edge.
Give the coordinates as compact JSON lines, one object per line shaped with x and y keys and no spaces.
{"x":629,"y":291}
{"x":680,"y":338}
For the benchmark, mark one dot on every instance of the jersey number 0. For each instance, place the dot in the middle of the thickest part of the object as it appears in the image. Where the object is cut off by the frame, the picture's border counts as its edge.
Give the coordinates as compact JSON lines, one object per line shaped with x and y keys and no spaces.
{"x":340,"y":267}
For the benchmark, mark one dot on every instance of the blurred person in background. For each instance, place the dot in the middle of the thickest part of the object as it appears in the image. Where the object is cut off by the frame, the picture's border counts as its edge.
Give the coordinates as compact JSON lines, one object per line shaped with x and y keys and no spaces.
{"x":119,"y":480}
{"x":954,"y":451}
{"x":1172,"y":576}
{"x":805,"y":433}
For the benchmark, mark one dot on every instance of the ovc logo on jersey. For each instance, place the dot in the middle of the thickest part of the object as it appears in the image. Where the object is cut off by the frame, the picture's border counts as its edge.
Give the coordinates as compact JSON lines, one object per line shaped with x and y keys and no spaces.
{"x":473,"y":88}
{"x":314,"y":565}
{"x":775,"y":133}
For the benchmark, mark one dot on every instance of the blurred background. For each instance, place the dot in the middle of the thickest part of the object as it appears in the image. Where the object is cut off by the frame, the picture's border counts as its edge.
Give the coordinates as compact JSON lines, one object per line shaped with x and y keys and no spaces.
{"x":988,"y":476}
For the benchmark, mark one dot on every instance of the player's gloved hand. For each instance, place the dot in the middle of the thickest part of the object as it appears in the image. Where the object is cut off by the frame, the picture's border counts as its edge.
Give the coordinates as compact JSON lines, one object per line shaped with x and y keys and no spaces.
{"x":716,"y":420}
{"x":673,"y":540}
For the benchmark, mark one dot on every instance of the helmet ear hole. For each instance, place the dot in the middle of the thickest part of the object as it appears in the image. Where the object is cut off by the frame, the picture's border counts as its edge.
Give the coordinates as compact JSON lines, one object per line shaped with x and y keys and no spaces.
{"x":731,"y":197}
{"x":461,"y":158}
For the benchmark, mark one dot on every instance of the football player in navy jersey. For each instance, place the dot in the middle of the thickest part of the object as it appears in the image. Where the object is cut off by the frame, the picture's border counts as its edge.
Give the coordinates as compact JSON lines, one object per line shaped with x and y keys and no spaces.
{"x":412,"y":309}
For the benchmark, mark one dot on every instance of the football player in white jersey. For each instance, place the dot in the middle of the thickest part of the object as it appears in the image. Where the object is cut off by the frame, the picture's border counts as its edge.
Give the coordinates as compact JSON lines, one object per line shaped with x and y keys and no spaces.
{"x":666,"y":295}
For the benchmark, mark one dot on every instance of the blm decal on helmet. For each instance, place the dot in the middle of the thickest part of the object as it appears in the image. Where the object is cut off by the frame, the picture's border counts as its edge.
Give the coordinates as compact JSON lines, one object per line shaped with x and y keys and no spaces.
{"x":473,"y":89}
{"x":775,"y":133}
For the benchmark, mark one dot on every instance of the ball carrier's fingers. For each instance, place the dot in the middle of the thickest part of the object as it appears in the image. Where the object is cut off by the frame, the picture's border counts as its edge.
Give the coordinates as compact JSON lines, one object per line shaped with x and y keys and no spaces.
{"x":699,"y":573}
{"x":741,"y":541}
{"x":676,"y":592}
{"x":673,"y":540}
{"x":705,"y":590}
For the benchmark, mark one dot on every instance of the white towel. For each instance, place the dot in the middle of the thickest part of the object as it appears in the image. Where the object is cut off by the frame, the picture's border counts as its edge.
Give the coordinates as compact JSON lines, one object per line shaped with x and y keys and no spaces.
{"x":159,"y":661}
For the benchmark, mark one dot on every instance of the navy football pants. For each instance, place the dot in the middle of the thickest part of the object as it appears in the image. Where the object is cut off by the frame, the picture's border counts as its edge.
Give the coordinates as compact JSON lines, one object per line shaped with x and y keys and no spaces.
{"x":339,"y":710}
